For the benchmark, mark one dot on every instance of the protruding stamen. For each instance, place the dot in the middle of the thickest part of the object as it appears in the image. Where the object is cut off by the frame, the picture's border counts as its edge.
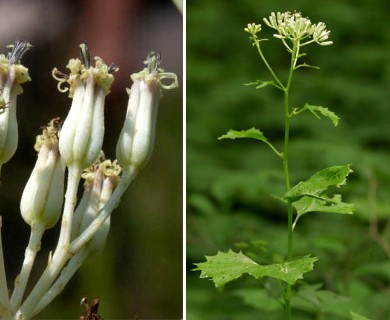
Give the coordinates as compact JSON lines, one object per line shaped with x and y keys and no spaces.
{"x":153,"y":61}
{"x":84,"y":53}
{"x":19,"y":48}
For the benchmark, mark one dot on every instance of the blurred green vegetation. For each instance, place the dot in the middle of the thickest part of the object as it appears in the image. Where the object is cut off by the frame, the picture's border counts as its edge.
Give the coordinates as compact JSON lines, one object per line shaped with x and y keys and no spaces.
{"x":230,"y":183}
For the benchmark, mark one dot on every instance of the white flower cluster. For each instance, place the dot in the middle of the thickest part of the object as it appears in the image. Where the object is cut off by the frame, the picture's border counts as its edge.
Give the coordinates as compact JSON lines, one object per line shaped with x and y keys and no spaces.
{"x":76,"y":147}
{"x":296,"y":28}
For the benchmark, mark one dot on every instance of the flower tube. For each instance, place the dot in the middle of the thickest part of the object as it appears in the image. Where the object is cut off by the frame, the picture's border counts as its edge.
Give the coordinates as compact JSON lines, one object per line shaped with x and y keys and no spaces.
{"x":83,"y":130}
{"x":135,"y":143}
{"x":41,"y":201}
{"x":12,"y":75}
{"x":43,"y":194}
{"x":100,"y":181}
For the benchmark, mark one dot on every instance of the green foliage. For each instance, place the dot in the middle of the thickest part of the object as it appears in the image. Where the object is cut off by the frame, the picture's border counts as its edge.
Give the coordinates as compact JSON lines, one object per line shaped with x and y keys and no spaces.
{"x":317,"y":184}
{"x":310,"y":195}
{"x":324,"y":111}
{"x":309,"y":204}
{"x":228,"y":184}
{"x":225,"y":267}
{"x":252,"y":133}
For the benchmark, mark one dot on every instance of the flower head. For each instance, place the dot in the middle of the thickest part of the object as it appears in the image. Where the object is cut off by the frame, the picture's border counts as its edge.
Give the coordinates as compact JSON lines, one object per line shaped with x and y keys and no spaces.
{"x":82,"y":134}
{"x":12,"y":75}
{"x":43,"y":195}
{"x":101,"y":179}
{"x":135,"y":143}
{"x":253,"y":28}
{"x":297,"y":28}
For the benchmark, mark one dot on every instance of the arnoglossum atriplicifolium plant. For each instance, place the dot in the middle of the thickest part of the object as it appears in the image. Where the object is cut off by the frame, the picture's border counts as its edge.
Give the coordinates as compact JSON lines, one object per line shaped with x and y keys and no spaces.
{"x":295,"y":32}
{"x":75,"y":147}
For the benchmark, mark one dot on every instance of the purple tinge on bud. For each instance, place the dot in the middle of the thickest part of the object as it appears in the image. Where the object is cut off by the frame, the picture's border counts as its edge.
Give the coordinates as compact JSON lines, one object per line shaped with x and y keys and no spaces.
{"x":135,"y":143}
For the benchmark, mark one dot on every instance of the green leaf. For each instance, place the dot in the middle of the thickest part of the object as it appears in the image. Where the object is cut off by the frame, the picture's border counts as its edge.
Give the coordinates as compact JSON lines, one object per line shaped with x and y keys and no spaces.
{"x":315,"y":110}
{"x":356,"y":316}
{"x":225,"y":267}
{"x":333,"y":205}
{"x":324,"y":111}
{"x":317,"y":184}
{"x":251,"y":133}
{"x":261,"y":84}
{"x":305,"y":65}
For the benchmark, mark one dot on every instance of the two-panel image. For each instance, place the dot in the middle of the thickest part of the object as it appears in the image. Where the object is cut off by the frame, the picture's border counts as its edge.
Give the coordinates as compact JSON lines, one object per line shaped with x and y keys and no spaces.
{"x":173,"y":159}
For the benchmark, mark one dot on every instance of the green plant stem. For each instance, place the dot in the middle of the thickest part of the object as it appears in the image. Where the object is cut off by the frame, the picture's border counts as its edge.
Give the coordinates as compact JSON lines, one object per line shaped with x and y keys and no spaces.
{"x":280,"y":84}
{"x":294,"y":55}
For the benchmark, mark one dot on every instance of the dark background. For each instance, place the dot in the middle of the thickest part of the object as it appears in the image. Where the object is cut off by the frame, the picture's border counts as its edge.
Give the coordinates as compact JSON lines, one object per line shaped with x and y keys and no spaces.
{"x":139,"y":274}
{"x":229,"y":183}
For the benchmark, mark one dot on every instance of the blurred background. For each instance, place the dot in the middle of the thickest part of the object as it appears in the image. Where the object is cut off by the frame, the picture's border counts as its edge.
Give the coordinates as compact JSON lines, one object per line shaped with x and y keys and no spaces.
{"x":139,"y":274}
{"x":229,"y":183}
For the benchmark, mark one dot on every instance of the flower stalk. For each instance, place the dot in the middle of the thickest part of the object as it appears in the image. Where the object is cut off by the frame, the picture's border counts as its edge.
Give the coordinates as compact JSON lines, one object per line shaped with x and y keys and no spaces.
{"x":295,"y":32}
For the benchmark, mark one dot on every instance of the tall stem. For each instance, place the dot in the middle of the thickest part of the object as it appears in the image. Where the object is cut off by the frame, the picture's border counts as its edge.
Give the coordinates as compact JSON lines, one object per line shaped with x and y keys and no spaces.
{"x":294,"y":55}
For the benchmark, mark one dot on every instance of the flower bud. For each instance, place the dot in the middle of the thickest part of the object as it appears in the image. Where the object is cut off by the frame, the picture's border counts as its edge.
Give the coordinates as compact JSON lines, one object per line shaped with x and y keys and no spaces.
{"x":12,"y":75}
{"x":82,"y":133}
{"x":135,"y":143}
{"x":43,"y":195}
{"x":100,"y":181}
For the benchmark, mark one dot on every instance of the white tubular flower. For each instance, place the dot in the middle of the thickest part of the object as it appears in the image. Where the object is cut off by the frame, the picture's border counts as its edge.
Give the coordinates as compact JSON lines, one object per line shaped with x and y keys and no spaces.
{"x":12,"y":75}
{"x":43,"y":195}
{"x":82,"y":133}
{"x":135,"y":143}
{"x":100,"y":181}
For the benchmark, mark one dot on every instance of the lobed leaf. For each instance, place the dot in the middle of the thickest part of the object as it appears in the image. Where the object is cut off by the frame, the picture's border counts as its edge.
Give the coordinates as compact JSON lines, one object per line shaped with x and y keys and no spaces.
{"x":251,"y":133}
{"x":225,"y":267}
{"x":325,"y":112}
{"x":317,"y":184}
{"x":332,"y":205}
{"x":261,"y":84}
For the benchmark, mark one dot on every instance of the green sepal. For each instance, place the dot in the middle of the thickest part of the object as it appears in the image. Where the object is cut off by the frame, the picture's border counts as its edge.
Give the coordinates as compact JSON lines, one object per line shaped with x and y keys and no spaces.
{"x":251,"y":133}
{"x":225,"y":267}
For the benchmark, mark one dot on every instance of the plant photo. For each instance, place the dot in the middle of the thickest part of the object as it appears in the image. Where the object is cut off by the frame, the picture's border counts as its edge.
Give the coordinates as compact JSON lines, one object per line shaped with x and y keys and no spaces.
{"x":85,"y":143}
{"x":283,"y":181}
